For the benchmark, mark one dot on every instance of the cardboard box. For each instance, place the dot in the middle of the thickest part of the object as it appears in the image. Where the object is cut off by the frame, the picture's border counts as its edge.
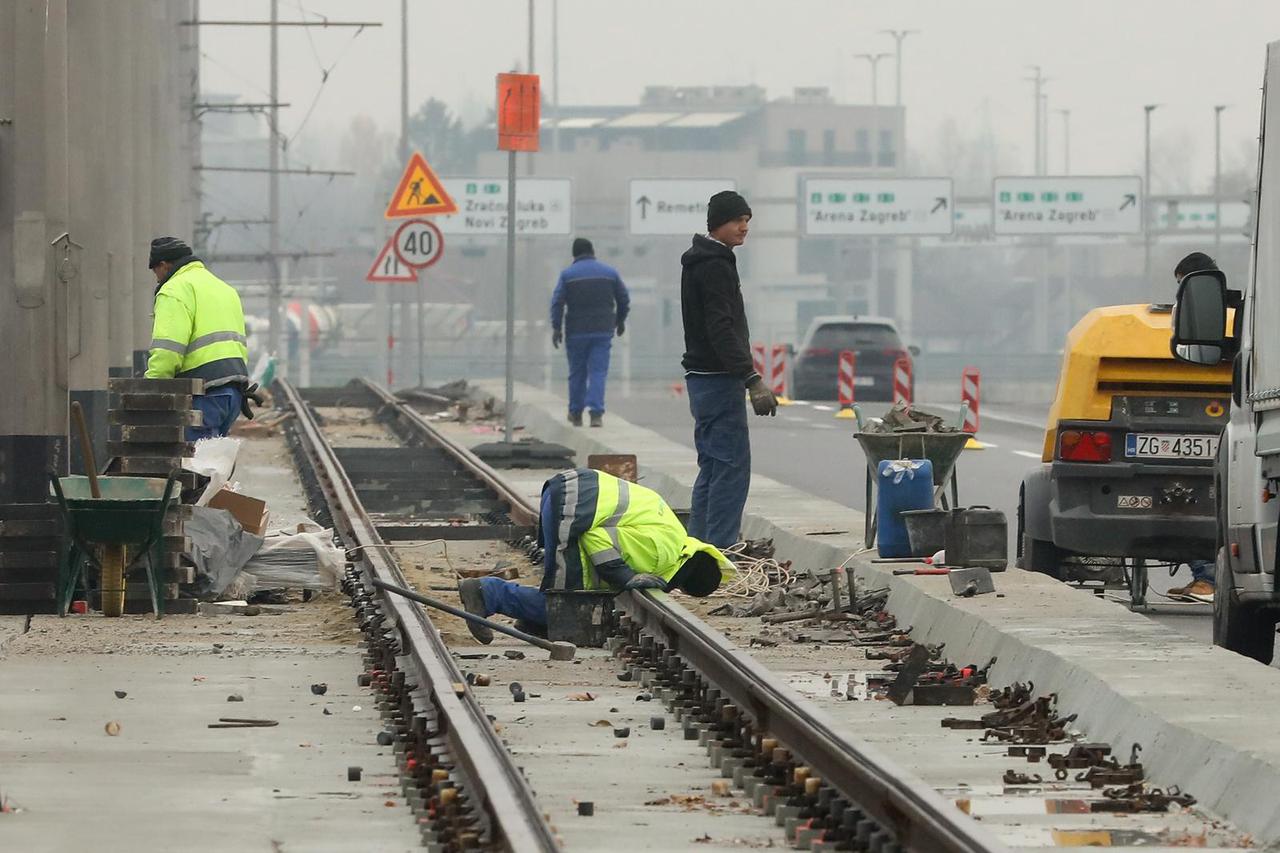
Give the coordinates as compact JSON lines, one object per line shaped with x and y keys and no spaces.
{"x":249,"y":511}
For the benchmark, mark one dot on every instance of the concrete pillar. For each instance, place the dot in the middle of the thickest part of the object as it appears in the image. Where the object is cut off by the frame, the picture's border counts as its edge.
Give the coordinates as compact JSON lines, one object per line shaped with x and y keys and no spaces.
{"x":87,"y":328}
{"x":146,"y":69}
{"x":33,"y":209}
{"x":120,"y":128}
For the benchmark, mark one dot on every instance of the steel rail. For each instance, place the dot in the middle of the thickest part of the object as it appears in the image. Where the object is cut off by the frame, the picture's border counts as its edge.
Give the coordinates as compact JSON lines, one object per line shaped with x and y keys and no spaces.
{"x":920,"y":818}
{"x":521,"y":510}
{"x":491,"y":777}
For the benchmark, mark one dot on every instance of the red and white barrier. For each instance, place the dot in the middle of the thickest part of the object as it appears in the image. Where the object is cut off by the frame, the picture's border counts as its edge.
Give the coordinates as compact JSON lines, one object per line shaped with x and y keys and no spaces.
{"x":844,"y":378}
{"x":902,"y":381}
{"x":777,"y":377}
{"x":758,"y":361}
{"x":970,"y":393}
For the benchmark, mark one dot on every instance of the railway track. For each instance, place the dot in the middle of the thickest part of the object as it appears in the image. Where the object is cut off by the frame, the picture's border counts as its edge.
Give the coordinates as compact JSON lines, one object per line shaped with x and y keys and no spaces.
{"x":827,"y":791}
{"x":466,"y":791}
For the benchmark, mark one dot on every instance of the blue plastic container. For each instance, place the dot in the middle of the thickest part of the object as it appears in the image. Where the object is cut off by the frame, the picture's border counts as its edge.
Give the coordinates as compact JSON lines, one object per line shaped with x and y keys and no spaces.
{"x":913,"y":489}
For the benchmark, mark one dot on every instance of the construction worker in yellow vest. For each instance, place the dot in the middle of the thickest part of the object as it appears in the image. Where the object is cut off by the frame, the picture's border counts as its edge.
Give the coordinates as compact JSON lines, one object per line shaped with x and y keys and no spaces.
{"x":599,"y":532}
{"x":198,"y":333}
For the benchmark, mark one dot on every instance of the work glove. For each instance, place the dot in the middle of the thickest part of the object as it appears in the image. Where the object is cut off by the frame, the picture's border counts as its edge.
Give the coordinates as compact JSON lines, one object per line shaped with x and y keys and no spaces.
{"x":251,"y":392}
{"x":762,"y":400}
{"x":556,"y":339}
{"x":622,"y":327}
{"x":643,"y":581}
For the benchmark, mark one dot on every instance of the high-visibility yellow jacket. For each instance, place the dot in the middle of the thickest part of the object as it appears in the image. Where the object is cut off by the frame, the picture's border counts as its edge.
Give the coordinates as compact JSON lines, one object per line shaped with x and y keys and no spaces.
{"x":199,"y":329}
{"x":603,"y":519}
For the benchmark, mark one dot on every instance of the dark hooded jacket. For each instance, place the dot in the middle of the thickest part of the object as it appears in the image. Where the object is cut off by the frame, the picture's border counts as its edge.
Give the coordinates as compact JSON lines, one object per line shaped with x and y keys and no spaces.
{"x":716,"y":338}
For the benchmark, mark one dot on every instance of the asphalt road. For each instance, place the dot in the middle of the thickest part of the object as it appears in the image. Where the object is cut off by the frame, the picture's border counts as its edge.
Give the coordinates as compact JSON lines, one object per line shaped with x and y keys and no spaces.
{"x":807,"y":447}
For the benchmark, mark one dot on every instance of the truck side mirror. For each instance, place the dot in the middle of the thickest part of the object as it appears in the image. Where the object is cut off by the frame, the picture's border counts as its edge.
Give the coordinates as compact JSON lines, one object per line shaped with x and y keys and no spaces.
{"x":1200,"y":319}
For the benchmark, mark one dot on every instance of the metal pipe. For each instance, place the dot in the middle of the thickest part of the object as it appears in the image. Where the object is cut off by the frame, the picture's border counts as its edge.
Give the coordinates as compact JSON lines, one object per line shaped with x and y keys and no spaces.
{"x":511,"y":293}
{"x":1146,"y":199}
{"x":1217,"y":179}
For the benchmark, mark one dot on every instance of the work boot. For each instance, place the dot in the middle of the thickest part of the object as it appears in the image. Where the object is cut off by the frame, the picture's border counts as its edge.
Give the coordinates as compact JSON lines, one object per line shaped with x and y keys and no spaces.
{"x":575,"y":418}
{"x":473,"y":602}
{"x":597,"y":419}
{"x":1201,"y":591}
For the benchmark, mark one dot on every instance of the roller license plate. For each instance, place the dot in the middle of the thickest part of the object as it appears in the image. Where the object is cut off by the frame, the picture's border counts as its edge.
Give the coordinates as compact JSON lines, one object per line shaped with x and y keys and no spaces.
{"x":1139,"y":445}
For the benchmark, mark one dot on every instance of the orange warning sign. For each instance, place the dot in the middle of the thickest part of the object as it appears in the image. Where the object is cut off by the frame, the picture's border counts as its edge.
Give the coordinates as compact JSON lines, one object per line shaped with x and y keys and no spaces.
{"x":388,"y":268}
{"x":519,"y":112}
{"x":420,"y":192}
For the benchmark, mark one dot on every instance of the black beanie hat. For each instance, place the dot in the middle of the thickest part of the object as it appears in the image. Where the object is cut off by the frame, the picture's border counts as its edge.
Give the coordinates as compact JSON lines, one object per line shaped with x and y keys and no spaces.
{"x":582,"y":246}
{"x":699,"y":576}
{"x":167,"y":249}
{"x":725,"y":206}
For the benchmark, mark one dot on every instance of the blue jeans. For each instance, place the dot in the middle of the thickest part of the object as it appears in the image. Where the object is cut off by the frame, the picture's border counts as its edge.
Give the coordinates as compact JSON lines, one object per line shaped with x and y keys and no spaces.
{"x":220,"y":407}
{"x":507,"y":598}
{"x":1202,"y":570}
{"x":720,"y":435}
{"x":588,"y":367}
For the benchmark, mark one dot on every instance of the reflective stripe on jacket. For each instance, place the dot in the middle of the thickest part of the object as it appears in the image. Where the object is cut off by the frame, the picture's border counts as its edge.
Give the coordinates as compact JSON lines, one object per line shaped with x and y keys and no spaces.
{"x":604,"y":518}
{"x":199,"y":329}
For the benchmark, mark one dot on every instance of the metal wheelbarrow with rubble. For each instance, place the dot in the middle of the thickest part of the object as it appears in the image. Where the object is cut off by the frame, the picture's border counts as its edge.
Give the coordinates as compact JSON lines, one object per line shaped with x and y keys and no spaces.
{"x":943,"y":449}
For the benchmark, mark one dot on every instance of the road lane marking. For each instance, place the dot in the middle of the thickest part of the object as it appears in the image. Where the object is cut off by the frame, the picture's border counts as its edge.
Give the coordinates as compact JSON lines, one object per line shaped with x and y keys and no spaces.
{"x":825,"y":426}
{"x":794,"y":419}
{"x":1027,"y":453}
{"x":821,"y":408}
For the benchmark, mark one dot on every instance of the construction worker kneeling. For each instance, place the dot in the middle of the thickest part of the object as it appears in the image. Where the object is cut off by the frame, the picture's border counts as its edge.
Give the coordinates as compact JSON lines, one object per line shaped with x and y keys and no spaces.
{"x":599,"y":533}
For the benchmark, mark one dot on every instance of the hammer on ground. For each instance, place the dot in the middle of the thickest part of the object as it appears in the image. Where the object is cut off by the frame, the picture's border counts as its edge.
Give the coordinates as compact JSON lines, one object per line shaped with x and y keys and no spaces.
{"x":559,"y":650}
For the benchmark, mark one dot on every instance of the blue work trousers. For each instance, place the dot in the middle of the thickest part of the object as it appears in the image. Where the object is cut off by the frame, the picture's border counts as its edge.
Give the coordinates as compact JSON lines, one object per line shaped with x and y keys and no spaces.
{"x":588,"y":368}
{"x":220,"y":407}
{"x":526,"y":603}
{"x":719,"y":407}
{"x":1202,"y":570}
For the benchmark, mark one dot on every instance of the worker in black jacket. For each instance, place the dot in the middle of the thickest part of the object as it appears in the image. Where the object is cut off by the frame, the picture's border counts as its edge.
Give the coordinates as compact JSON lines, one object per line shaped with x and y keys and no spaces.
{"x":718,"y":366}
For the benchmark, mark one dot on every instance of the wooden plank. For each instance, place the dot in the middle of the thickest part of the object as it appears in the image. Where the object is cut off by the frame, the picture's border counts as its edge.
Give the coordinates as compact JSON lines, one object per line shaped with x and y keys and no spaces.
{"x":30,"y":528}
{"x":28,"y":511}
{"x":27,"y":591}
{"x":156,"y":386}
{"x":133,"y":449}
{"x":28,"y":575}
{"x":154,"y":433}
{"x":158,"y":466}
{"x":127,"y":417}
{"x":150,"y":402}
{"x":28,"y":559}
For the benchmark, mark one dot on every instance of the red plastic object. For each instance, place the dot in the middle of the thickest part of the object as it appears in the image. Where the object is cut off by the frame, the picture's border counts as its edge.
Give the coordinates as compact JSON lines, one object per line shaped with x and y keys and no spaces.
{"x":80,"y":607}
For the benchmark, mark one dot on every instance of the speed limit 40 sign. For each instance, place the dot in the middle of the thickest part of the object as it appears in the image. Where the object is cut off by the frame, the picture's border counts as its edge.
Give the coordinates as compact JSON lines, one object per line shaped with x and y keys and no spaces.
{"x":418,"y":243}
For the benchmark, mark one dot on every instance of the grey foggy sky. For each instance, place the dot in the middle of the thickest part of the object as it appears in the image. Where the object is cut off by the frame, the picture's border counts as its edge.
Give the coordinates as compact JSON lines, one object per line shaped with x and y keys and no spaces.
{"x":1105,"y":58}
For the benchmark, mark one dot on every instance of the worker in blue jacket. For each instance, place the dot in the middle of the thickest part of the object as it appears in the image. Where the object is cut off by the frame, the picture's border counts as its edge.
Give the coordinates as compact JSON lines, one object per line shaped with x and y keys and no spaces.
{"x":589,"y":306}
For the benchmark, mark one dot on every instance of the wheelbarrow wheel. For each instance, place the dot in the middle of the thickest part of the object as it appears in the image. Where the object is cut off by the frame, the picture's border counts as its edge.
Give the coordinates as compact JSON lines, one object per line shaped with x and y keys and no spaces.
{"x":112,"y":581}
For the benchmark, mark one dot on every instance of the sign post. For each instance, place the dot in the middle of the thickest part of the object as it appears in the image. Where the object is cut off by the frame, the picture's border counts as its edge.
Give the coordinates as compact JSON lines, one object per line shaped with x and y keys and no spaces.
{"x":519,"y":116}
{"x":418,"y":193}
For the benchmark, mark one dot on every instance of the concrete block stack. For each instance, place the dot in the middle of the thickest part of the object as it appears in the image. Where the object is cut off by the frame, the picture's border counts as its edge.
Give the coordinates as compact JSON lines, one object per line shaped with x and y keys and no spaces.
{"x":148,"y":420}
{"x":29,"y":552}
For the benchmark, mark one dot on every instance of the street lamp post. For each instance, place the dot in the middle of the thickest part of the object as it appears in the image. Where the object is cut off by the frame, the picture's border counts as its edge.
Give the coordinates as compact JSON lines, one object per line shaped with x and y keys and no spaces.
{"x":898,"y":36}
{"x":1039,"y":80}
{"x":1066,"y":141}
{"x":873,"y":291}
{"x":1217,"y":179}
{"x":1146,"y":195}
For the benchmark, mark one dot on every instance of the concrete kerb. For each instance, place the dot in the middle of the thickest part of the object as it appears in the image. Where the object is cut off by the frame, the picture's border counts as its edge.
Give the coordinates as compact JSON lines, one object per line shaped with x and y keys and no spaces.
{"x":1193,"y":708}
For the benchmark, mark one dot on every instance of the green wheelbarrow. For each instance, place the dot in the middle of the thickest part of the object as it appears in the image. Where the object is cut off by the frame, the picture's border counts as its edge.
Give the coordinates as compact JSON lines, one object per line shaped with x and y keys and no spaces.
{"x":943,"y":449}
{"x":99,"y":531}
